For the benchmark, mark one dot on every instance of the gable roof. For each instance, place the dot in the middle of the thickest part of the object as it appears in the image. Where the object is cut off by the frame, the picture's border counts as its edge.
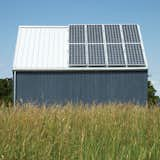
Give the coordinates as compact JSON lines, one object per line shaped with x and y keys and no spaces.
{"x":47,"y":48}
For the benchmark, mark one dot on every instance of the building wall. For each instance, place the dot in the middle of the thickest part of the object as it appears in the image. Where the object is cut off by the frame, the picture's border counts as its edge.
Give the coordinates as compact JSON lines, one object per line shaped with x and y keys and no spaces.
{"x":86,"y":86}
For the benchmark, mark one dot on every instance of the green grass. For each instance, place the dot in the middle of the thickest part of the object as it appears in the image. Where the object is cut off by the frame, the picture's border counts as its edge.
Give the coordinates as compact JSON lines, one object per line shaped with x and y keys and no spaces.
{"x":110,"y":132}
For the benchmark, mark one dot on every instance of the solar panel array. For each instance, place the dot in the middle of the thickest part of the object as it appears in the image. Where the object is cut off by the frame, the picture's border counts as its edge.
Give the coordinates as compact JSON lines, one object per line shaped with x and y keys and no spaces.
{"x":105,"y":45}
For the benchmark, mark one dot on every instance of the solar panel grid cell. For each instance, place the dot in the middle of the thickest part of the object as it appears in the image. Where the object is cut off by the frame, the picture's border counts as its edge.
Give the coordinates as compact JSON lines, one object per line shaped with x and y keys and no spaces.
{"x":77,"y":55}
{"x":96,"y":55}
{"x":94,"y":34}
{"x":112,"y":34}
{"x":134,"y":54}
{"x":76,"y":34}
{"x":115,"y":55}
{"x":131,"y":34}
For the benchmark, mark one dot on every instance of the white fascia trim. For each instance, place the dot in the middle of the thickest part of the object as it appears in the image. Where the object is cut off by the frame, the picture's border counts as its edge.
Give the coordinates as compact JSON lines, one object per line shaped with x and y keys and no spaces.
{"x":67,"y":26}
{"x":84,"y":69}
{"x":142,"y":44}
{"x":107,"y":24}
{"x":43,"y":26}
{"x":16,"y":48}
{"x":14,"y":89}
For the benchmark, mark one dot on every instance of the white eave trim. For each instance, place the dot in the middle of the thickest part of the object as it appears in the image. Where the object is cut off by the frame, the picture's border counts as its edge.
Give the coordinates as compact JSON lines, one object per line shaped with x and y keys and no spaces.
{"x":43,"y":26}
{"x":85,"y":69}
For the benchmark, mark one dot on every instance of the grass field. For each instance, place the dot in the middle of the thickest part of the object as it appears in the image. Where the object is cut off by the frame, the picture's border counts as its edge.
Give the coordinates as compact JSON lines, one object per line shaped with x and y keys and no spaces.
{"x":109,"y":132}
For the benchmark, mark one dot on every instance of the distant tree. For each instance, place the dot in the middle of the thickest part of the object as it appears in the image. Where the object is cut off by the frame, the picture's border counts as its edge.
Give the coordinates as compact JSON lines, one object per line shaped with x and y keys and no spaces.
{"x":152,"y":98}
{"x":6,"y":90}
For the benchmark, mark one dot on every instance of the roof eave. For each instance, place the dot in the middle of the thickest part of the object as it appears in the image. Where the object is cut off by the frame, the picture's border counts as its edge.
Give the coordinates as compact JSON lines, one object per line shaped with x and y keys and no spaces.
{"x":82,"y":69}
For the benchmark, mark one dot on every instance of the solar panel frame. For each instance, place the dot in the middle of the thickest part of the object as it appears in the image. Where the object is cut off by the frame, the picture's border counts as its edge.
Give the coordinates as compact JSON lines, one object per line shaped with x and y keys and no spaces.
{"x":115,"y":55}
{"x":96,"y":55}
{"x":77,"y":56}
{"x":105,"y":47}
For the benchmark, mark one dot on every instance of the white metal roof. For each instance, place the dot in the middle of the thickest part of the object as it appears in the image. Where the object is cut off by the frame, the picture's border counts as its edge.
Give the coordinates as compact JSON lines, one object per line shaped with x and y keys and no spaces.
{"x":41,"y":48}
{"x":46,"y":48}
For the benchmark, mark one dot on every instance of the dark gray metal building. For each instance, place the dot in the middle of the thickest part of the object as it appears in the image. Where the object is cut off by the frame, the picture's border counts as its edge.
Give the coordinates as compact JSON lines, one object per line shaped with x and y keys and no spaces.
{"x":80,"y":63}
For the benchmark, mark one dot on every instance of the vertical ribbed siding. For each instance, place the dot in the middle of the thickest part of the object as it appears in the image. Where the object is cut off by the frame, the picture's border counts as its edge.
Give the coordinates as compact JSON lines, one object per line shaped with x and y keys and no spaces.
{"x":88,"y":87}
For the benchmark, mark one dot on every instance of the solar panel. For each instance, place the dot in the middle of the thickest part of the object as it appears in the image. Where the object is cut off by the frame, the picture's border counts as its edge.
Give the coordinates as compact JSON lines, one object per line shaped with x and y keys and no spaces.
{"x":130,"y":33}
{"x":76,"y":34}
{"x":94,"y":34}
{"x":77,"y":55}
{"x":115,"y":55}
{"x":113,"y":34}
{"x":90,"y":45}
{"x":134,"y":54}
{"x":96,"y":55}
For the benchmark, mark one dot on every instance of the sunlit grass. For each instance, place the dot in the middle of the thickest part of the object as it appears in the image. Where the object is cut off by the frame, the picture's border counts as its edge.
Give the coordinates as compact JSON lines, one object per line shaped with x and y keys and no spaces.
{"x":110,"y":132}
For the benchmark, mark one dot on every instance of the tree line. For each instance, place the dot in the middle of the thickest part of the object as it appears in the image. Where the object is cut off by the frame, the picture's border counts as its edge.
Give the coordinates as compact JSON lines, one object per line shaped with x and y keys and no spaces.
{"x":6,"y":92}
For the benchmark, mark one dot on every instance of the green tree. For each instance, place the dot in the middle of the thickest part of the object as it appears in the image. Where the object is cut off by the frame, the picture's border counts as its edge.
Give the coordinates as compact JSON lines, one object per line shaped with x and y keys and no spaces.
{"x":6,"y":90}
{"x":152,"y":98}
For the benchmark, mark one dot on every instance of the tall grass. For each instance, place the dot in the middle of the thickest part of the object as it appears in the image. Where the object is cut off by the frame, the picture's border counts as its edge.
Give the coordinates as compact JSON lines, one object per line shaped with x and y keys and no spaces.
{"x":110,"y":132}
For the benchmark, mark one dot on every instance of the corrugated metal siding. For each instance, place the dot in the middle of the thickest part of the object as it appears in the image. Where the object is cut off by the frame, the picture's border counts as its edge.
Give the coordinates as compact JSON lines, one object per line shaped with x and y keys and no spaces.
{"x":41,"y":48}
{"x":88,"y":87}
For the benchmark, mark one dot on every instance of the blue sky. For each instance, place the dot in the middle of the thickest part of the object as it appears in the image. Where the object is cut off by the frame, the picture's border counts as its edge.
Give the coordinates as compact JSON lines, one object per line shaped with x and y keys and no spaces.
{"x":52,"y":12}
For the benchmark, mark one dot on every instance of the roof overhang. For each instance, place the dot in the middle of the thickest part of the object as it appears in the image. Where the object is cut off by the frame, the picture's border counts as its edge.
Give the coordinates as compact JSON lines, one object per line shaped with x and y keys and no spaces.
{"x":83,"y":69}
